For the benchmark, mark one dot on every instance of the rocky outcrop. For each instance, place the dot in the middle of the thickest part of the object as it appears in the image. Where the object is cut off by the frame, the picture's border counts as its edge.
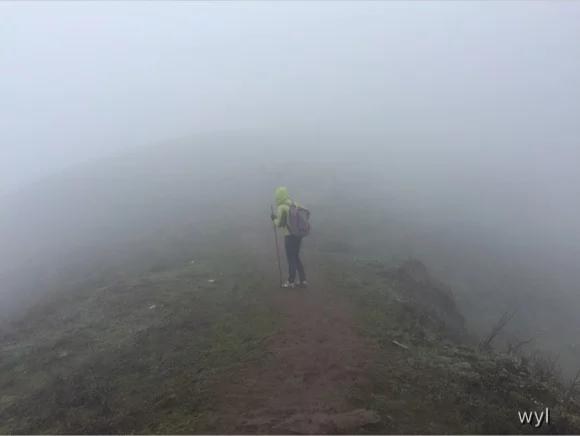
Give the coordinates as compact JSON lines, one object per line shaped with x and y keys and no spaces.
{"x":414,"y":284}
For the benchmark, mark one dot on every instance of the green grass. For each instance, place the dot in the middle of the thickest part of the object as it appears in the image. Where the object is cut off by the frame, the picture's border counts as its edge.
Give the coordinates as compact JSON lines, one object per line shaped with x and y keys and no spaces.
{"x":141,"y":355}
{"x":436,"y":385}
{"x":151,"y":354}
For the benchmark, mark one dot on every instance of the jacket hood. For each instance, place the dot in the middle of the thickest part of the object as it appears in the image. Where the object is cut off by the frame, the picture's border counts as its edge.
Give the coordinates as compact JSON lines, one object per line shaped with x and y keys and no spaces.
{"x":281,"y":195}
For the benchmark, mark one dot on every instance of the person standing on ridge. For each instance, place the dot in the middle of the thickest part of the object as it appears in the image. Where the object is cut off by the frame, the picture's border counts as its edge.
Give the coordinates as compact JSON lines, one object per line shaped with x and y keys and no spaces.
{"x":292,"y":218}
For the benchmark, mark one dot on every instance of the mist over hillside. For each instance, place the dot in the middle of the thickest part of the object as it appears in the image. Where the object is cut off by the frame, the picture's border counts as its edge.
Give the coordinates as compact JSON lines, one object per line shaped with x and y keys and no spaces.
{"x":434,"y":143}
{"x":483,"y":224}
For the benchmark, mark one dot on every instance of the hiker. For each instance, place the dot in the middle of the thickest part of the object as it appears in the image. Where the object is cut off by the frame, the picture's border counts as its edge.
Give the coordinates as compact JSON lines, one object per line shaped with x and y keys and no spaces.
{"x":292,"y":218}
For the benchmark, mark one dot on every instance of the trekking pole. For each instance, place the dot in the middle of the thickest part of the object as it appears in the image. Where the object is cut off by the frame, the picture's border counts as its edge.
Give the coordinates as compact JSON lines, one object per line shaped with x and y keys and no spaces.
{"x":277,"y":250}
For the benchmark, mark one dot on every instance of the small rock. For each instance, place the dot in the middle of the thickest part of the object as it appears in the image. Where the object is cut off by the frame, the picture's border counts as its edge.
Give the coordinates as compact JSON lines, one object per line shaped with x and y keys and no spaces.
{"x":153,"y":306}
{"x":211,"y":281}
{"x":353,"y":421}
{"x":167,"y":401}
{"x":398,"y":344}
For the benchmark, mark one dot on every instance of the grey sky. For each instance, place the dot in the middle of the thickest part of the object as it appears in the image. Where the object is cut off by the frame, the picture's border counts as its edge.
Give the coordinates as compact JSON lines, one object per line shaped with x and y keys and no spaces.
{"x":82,"y":80}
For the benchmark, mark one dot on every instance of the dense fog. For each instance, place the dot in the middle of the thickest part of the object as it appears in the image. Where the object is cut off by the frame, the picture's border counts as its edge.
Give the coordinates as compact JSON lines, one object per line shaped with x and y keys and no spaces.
{"x":133,"y":133}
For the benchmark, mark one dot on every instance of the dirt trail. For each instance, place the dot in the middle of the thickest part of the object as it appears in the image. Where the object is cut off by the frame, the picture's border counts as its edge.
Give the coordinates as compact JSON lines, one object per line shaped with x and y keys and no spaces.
{"x":316,"y":359}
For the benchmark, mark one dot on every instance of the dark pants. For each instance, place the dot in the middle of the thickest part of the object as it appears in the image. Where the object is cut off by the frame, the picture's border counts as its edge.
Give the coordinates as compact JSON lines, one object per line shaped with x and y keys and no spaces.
{"x":292,"y":244}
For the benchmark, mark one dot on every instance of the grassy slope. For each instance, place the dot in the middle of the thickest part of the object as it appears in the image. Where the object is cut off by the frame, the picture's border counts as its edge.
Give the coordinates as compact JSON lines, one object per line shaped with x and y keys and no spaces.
{"x":439,"y":384}
{"x":150,"y":354}
{"x":136,"y":356}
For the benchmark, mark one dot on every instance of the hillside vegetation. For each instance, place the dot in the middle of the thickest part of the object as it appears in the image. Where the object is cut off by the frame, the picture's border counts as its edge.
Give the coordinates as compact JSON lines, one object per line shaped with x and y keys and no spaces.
{"x":141,"y":295}
{"x":213,"y":345}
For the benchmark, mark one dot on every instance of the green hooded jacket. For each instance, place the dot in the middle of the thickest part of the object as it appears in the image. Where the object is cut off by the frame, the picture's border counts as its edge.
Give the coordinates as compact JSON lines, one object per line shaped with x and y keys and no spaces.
{"x":283,"y":203}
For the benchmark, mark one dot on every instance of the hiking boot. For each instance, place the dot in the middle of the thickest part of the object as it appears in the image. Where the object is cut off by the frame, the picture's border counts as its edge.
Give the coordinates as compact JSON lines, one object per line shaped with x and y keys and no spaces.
{"x":288,"y":285}
{"x":303,"y":284}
